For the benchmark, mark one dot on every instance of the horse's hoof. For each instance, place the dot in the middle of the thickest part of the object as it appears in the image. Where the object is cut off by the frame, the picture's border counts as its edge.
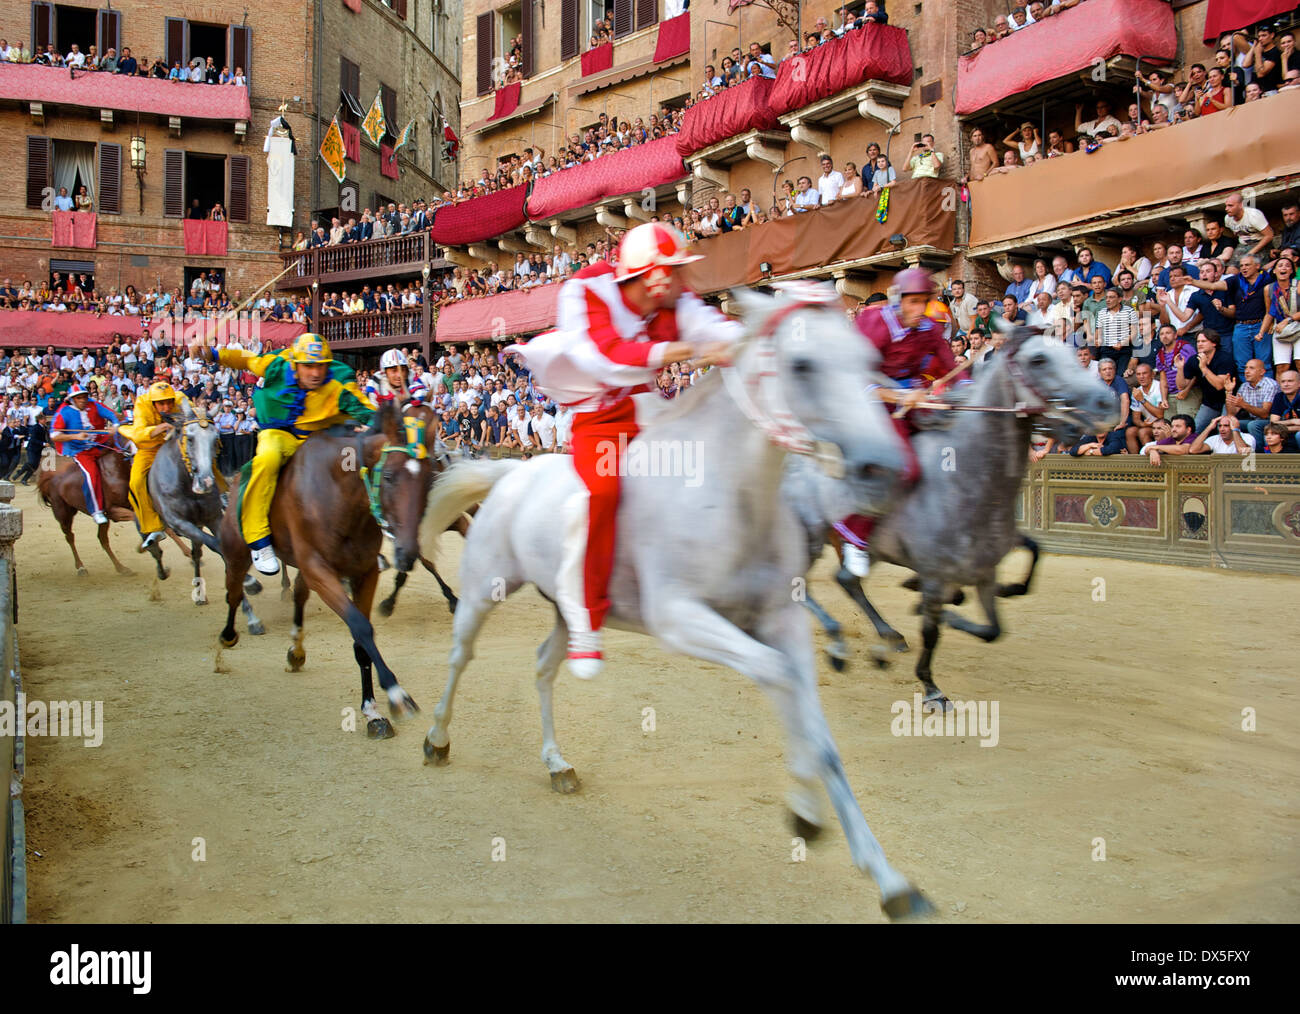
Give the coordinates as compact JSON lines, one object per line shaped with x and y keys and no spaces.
{"x":452,"y":603}
{"x":164,"y":574}
{"x":880,"y":656}
{"x":124,"y":572}
{"x":910,"y":904}
{"x":805,"y":829}
{"x":228,"y":642}
{"x":256,"y":629}
{"x":436,"y":755}
{"x":898,"y":644}
{"x":82,"y":572}
{"x":386,"y":607}
{"x":936,"y":701}
{"x":401,"y":704}
{"x":252,"y":586}
{"x":380,"y":728}
{"x":565,"y":782}
{"x":837,"y":663}
{"x":296,"y":659}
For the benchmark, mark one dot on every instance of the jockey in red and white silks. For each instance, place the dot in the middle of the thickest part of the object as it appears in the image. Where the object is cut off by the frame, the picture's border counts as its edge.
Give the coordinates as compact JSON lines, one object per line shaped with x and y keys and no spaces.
{"x":616,"y":328}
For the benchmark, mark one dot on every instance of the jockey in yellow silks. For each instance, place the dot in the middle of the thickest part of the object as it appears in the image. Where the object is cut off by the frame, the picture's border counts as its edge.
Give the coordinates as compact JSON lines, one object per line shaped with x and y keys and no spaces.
{"x":148,"y":430}
{"x":303,"y":390}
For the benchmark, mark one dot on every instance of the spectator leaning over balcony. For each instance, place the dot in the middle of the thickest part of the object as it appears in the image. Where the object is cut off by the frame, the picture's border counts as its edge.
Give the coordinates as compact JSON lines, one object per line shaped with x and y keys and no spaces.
{"x":1248,"y":224}
{"x":831,"y":181}
{"x":1010,"y":161}
{"x":75,"y":58}
{"x":807,"y":197}
{"x":767,"y":67}
{"x":1102,"y":124}
{"x":63,"y":202}
{"x":239,"y":78}
{"x":925,"y":162}
{"x":159,"y":70}
{"x":1222,"y":435}
{"x":1187,"y":92}
{"x":1025,"y":139}
{"x":127,"y":64}
{"x":1215,"y":96}
{"x":177,"y":73}
{"x":983,"y":156}
{"x":1246,"y":296}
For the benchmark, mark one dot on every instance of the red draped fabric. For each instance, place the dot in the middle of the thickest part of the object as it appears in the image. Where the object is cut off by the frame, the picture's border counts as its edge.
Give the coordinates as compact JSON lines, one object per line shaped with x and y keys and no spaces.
{"x":480,"y":218}
{"x":387,"y":161}
{"x":74,"y":228}
{"x":21,"y":328}
{"x":621,"y":172}
{"x":204,"y":238}
{"x":674,"y":37}
{"x":351,"y":141}
{"x":594,"y":61}
{"x":873,"y":53}
{"x":353,"y":5}
{"x":506,"y":100}
{"x":25,"y":82}
{"x":1072,"y":40}
{"x":505,"y":315}
{"x":732,"y":111}
{"x":1228,"y":15}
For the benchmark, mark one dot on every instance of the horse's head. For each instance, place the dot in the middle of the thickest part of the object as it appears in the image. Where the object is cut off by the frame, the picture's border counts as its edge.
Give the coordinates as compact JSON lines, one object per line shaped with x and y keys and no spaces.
{"x":408,"y":469}
{"x":1049,"y":381}
{"x":809,"y":371}
{"x":198,"y":440}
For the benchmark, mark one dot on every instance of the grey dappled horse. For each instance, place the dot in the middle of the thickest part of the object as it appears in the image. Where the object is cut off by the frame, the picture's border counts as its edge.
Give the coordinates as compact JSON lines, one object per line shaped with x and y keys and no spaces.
{"x":957,"y":523}
{"x":724,"y":592}
{"x":183,"y":487}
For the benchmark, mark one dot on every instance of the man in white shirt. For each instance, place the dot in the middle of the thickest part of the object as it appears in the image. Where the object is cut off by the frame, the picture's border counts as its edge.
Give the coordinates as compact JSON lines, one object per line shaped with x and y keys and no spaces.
{"x":1040,"y":314}
{"x":831,"y":181}
{"x":1099,"y":127}
{"x":767,"y":66}
{"x":1249,"y":225}
{"x":963,"y":305}
{"x":807,"y":197}
{"x":63,"y":202}
{"x":1223,"y":436}
{"x":1175,"y":302}
{"x":76,"y":58}
{"x":543,"y":429}
{"x":519,"y":423}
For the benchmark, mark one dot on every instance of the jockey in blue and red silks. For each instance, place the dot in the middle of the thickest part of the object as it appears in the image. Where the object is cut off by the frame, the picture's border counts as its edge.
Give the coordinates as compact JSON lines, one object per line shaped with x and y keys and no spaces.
{"x":616,"y":328}
{"x":914,"y":348}
{"x":79,"y":414}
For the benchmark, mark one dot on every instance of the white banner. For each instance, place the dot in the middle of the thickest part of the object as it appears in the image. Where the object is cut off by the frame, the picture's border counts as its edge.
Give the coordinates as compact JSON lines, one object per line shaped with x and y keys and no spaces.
{"x":279,"y":182}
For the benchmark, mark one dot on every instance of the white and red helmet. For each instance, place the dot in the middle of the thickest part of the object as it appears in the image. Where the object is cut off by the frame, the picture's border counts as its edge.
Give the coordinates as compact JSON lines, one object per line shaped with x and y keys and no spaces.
{"x":655,"y":250}
{"x":393,"y":357}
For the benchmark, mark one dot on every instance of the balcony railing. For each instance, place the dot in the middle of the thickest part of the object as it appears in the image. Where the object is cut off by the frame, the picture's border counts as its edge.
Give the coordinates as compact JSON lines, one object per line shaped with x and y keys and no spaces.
{"x":357,"y":261}
{"x":360,"y":329}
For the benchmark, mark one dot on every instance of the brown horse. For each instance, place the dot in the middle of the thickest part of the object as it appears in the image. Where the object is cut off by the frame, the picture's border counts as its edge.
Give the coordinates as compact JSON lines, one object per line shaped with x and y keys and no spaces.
{"x":59,"y":486}
{"x":321,"y":524}
{"x":398,"y":502}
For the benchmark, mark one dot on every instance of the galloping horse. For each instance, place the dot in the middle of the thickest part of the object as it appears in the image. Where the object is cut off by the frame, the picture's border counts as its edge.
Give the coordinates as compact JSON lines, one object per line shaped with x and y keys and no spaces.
{"x":321,"y":524}
{"x":955,"y":526}
{"x":724,"y":594}
{"x":398,"y":503}
{"x":183,"y":487}
{"x":59,"y":487}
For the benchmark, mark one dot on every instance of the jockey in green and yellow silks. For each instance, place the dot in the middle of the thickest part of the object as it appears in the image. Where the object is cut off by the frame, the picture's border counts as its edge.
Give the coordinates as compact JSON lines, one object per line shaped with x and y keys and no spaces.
{"x":303,"y":390}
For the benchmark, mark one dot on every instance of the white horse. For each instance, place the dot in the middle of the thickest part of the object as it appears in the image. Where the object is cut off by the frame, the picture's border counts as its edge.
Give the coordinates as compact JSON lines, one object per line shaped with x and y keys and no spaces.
{"x":726,"y":593}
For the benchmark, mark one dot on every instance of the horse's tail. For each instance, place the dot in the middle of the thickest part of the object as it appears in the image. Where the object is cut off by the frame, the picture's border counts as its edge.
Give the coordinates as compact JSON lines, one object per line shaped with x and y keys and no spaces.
{"x":457,"y":489}
{"x":44,"y":477}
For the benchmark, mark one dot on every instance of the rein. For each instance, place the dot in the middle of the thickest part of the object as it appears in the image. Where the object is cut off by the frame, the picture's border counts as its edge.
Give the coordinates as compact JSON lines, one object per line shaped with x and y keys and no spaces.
{"x":373,"y":478}
{"x":759,"y":394}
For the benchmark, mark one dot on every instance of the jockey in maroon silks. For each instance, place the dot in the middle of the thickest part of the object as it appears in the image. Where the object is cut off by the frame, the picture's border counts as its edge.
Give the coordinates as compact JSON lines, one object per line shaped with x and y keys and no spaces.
{"x":913,"y":348}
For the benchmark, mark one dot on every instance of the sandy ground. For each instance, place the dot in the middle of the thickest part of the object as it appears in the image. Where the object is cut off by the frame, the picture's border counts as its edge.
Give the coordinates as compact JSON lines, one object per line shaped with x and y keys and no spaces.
{"x":1108,"y":730}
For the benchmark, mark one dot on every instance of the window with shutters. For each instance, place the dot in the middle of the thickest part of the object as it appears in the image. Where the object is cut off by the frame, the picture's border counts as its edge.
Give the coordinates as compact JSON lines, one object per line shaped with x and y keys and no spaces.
{"x":177,"y":41}
{"x":108,"y":31}
{"x":486,"y":50}
{"x":526,"y":38}
{"x":647,"y":13}
{"x":509,"y":44}
{"x":237,"y":205}
{"x":593,"y":25}
{"x":570,"y":30}
{"x":42,"y":27}
{"x":388,"y":100}
{"x":622,"y":18}
{"x":204,"y":184}
{"x":108,"y":198}
{"x":241,"y":51}
{"x":350,"y":93}
{"x":39,"y":167}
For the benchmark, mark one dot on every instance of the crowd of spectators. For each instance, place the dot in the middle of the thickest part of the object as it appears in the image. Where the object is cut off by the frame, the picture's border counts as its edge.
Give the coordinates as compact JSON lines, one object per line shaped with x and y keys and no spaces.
{"x":207,"y":299}
{"x":1247,"y":67}
{"x":201,"y":70}
{"x":1187,"y":334}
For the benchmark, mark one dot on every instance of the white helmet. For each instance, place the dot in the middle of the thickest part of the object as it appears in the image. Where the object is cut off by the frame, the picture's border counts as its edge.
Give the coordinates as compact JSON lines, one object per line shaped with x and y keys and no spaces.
{"x":654,"y":250}
{"x":393,"y":357}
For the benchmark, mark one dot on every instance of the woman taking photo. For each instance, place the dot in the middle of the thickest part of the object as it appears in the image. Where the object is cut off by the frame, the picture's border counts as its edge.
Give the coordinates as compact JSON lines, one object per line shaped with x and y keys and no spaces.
{"x":1283,"y":318}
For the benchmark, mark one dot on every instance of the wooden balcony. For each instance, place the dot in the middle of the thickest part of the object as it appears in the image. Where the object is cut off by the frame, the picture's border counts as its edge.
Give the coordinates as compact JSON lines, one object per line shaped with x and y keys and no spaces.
{"x":371,"y":330}
{"x":359,"y":262}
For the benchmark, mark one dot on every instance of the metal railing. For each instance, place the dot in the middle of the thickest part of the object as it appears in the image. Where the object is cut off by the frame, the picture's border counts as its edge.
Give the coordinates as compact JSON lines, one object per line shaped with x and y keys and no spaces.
{"x":374,"y":255}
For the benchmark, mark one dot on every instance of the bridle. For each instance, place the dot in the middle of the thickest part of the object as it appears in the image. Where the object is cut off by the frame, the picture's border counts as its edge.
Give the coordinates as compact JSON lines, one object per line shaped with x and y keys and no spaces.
{"x":373,"y":478}
{"x":759,"y":395}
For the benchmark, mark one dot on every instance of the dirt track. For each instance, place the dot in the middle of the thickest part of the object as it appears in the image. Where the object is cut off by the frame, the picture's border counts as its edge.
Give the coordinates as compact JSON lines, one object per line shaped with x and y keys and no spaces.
{"x":1107,"y":730}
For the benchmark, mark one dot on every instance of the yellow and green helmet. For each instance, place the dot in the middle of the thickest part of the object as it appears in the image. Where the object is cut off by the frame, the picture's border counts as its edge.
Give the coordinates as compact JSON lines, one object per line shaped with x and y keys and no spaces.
{"x":311,"y":348}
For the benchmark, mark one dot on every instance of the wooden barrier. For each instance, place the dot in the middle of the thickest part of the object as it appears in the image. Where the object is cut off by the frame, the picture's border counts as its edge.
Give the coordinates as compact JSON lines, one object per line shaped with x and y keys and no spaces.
{"x":1214,"y":510}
